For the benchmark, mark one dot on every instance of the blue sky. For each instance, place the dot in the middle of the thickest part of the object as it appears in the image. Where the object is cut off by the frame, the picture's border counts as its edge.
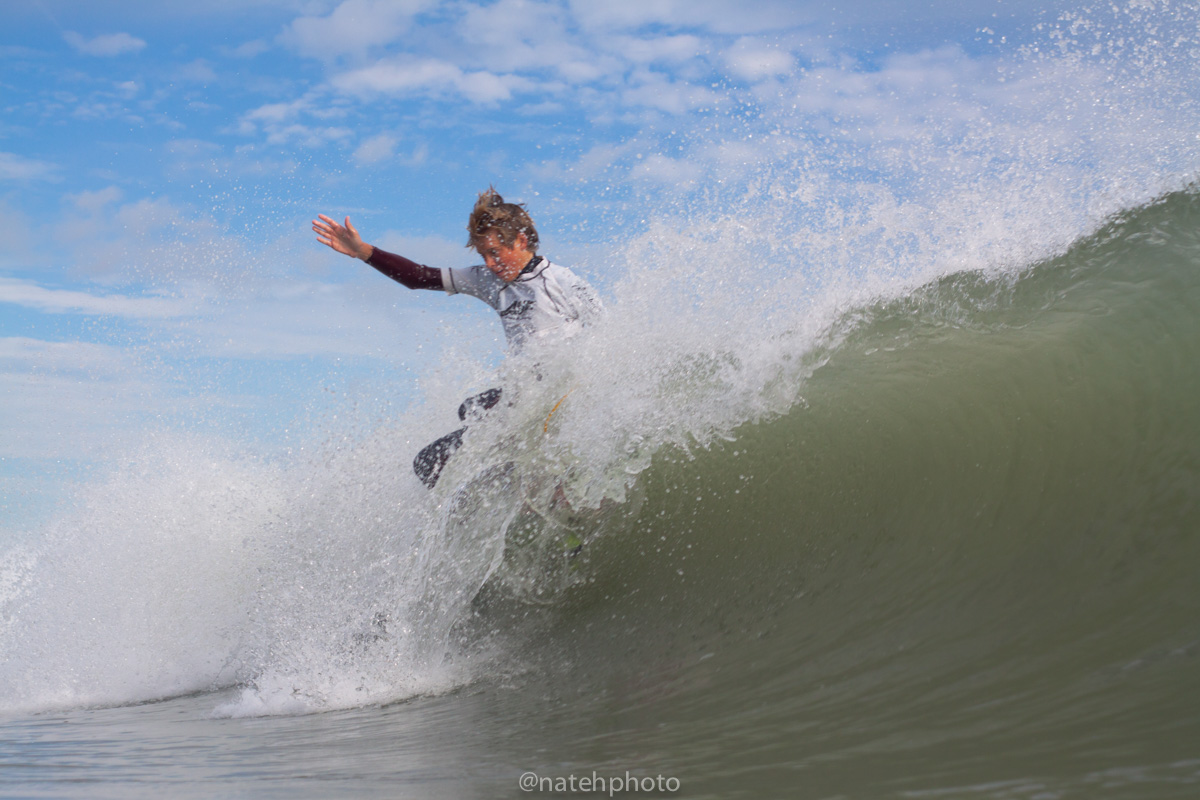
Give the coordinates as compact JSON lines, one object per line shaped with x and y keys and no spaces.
{"x":160,"y":163}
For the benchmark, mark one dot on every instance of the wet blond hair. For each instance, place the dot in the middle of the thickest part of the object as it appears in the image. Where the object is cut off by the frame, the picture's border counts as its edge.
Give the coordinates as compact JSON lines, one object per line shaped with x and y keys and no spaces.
{"x":507,"y":220}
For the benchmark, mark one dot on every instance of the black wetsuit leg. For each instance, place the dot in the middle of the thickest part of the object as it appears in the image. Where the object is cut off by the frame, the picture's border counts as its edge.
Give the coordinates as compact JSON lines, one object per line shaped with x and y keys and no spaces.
{"x":432,"y":459}
{"x":484,"y":401}
{"x":429,"y":462}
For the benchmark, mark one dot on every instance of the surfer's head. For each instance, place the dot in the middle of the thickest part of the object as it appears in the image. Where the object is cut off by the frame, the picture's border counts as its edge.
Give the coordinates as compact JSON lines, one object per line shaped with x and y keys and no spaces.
{"x":508,"y":221}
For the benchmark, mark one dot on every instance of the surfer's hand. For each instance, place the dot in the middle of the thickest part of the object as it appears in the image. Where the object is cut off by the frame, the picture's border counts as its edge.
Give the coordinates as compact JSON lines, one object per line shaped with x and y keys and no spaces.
{"x":342,"y":238}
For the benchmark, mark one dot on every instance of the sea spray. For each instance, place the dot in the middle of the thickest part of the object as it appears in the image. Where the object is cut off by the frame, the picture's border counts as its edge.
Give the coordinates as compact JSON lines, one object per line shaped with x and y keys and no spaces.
{"x":140,"y":590}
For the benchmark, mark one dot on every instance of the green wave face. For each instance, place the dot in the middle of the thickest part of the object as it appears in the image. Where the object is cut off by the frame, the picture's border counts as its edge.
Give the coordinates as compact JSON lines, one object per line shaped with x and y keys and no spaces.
{"x":968,"y":550}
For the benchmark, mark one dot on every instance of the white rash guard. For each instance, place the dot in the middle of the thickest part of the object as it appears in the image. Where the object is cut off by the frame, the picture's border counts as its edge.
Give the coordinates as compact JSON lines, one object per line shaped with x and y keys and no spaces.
{"x":545,"y":299}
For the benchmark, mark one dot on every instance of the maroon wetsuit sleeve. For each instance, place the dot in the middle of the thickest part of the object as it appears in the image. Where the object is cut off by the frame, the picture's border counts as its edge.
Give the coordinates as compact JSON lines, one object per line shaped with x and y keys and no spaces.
{"x":410,"y":273}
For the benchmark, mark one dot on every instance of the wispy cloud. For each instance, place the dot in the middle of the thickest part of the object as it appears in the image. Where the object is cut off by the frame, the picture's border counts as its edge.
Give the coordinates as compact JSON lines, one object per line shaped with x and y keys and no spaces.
{"x":658,"y":49}
{"x":752,"y":60}
{"x":378,"y":148}
{"x":14,"y":167}
{"x":80,"y":401}
{"x":72,"y":301}
{"x":64,"y":399}
{"x":352,"y":28}
{"x":405,"y":76}
{"x":711,"y":15}
{"x":112,"y":44}
{"x":22,"y":352}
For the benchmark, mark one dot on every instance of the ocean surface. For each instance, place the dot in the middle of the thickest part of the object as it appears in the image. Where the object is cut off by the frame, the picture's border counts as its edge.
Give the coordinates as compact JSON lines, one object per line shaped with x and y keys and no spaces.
{"x":881,"y":494}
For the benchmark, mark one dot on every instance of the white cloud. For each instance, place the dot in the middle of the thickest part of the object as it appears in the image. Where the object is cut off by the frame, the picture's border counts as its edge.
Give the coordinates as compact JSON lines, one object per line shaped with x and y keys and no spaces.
{"x":198,"y":71}
{"x":588,"y":166}
{"x":93,"y":201}
{"x":624,"y":14}
{"x":752,"y":60}
{"x":14,"y":167}
{"x":279,"y":121}
{"x":400,"y":76}
{"x":656,"y":90}
{"x":353,"y":27}
{"x":249,"y":49}
{"x":545,"y":108}
{"x":62,"y":301}
{"x":542,"y":52}
{"x":718,"y":16}
{"x":376,"y":149}
{"x":276,"y":112}
{"x":307,"y":135}
{"x":148,"y":242}
{"x":420,"y":155}
{"x":66,"y":400}
{"x":486,"y":87}
{"x":20,"y":247}
{"x":658,"y":49}
{"x":113,"y":44}
{"x":525,"y":36}
{"x":23,"y":353}
{"x":587,"y":70}
{"x":397,"y":77}
{"x":510,"y":22}
{"x":667,"y":171}
{"x":362,"y":318}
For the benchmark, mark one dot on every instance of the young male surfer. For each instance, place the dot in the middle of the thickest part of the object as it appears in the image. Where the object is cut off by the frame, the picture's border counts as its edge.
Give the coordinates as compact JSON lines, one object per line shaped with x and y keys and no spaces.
{"x":535,"y":298}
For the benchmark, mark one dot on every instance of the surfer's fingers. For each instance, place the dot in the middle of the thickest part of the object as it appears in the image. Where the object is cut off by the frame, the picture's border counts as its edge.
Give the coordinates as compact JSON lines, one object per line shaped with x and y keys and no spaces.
{"x":327,"y":231}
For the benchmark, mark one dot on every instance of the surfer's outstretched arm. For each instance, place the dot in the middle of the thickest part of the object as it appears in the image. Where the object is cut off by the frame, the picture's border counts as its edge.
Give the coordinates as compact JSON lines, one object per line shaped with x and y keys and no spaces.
{"x":345,"y":239}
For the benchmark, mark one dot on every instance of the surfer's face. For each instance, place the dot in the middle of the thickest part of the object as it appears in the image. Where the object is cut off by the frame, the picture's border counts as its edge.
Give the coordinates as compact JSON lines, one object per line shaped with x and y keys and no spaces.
{"x":506,"y":261}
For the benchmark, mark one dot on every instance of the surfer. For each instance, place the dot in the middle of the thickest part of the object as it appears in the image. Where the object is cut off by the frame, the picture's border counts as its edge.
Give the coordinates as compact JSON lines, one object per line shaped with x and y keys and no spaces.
{"x":536,"y":299}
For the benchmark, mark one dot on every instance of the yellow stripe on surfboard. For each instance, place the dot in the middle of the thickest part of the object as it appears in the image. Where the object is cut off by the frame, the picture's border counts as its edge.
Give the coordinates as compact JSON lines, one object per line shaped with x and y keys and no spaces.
{"x":546,"y":426}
